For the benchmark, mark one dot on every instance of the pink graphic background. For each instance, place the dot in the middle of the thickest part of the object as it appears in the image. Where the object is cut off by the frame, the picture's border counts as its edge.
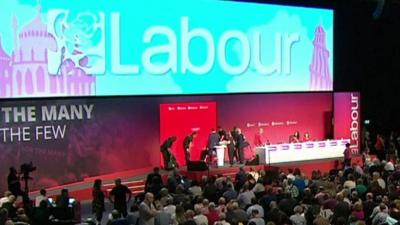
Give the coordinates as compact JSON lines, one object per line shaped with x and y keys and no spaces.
{"x":343,"y":118}
{"x":24,"y":72}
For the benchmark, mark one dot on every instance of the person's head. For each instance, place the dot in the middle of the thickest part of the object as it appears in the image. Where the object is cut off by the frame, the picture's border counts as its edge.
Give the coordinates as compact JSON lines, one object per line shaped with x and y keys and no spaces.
{"x":297,"y":134}
{"x":298,"y":209}
{"x":43,"y":192}
{"x":64,"y":192}
{"x":211,"y":206}
{"x":12,"y":199}
{"x":189,"y":214}
{"x":194,"y":134}
{"x":358,"y":207}
{"x":347,"y":145}
{"x":261,"y":130}
{"x":239,"y":131}
{"x":370,"y":196}
{"x":179,"y":211}
{"x":156,"y":170}
{"x":273,"y":205}
{"x":7,"y":194}
{"x":115,"y":214}
{"x":97,"y":184}
{"x":13,"y":170}
{"x":118,"y":181}
{"x":306,"y":135}
{"x":149,"y":197}
{"x":235,"y":205}
{"x":382,"y":207}
{"x":222,"y":216}
{"x":221,"y":201}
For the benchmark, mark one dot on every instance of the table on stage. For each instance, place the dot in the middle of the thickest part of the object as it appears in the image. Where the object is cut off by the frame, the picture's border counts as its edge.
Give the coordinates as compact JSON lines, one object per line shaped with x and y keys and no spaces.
{"x":313,"y":150}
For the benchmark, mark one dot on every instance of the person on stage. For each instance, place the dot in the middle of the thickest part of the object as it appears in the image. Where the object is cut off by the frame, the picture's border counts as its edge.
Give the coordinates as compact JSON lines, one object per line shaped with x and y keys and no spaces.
{"x":347,"y":155}
{"x":221,"y":134}
{"x":118,"y":197}
{"x":258,"y":138}
{"x":14,"y":184}
{"x":306,"y":137}
{"x":231,"y":148}
{"x":98,"y":206}
{"x":187,"y":145}
{"x":213,"y":141}
{"x":295,"y":138}
{"x":169,"y":158}
{"x":241,"y":144}
{"x":380,"y":147}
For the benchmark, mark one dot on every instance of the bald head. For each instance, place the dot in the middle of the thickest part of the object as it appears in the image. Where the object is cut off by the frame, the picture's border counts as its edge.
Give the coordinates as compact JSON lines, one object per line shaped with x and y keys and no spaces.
{"x":149,"y":197}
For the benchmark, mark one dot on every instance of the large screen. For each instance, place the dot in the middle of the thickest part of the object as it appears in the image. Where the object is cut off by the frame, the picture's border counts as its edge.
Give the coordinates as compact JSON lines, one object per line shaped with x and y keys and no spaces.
{"x":158,"y":47}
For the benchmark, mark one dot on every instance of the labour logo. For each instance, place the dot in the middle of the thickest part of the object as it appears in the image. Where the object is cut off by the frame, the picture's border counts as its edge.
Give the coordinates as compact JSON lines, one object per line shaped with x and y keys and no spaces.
{"x":81,"y":41}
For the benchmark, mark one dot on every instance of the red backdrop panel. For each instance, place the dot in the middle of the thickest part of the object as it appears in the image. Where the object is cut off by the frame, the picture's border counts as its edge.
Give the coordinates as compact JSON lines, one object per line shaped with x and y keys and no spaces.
{"x":279,"y":114}
{"x":181,"y":119}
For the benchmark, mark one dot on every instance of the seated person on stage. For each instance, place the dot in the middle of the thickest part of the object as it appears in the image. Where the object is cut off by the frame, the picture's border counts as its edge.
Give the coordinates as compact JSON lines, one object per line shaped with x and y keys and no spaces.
{"x":306,"y":137}
{"x":295,"y":138}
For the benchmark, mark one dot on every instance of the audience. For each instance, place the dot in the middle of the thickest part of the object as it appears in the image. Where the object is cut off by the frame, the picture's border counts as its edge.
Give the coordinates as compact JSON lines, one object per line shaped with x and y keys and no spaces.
{"x":355,"y":195}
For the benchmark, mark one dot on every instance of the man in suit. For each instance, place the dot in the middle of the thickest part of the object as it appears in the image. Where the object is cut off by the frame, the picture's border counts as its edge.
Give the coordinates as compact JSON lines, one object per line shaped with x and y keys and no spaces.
{"x":241,"y":143}
{"x":213,"y":141}
{"x":187,"y":145}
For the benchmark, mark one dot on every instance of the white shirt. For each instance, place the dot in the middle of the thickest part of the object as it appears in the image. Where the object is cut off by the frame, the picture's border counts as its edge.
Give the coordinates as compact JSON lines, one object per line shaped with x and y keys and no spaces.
{"x":244,"y":198}
{"x":381,"y":183}
{"x":201,"y":219}
{"x":170,"y":209}
{"x":195,"y":190}
{"x":38,"y":199}
{"x":259,"y":209}
{"x":258,"y":221}
{"x":3,"y":200}
{"x":349,"y":184}
{"x":222,"y":222}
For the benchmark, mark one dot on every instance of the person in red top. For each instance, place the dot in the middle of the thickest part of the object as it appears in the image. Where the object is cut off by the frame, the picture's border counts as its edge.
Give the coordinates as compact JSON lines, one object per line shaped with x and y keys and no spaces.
{"x":380,"y":147}
{"x":213,"y":214}
{"x":306,"y":137}
{"x":347,"y":155}
{"x":258,"y":138}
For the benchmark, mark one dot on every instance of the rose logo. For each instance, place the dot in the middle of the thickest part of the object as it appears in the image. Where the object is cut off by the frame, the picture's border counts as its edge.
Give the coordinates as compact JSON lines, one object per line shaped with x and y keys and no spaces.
{"x":81,"y":39}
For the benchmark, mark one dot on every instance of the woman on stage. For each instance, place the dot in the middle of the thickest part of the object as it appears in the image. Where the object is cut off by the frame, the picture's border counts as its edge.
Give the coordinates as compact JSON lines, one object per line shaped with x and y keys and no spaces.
{"x":306,"y":137}
{"x":295,"y":138}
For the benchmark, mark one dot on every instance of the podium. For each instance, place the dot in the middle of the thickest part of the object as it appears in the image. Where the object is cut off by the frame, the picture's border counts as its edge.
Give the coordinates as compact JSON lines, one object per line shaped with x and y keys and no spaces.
{"x":220,"y":149}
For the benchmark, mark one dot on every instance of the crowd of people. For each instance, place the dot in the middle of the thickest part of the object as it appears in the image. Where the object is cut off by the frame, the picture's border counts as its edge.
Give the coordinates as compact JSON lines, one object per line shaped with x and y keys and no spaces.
{"x":358,"y":195}
{"x":354,"y":194}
